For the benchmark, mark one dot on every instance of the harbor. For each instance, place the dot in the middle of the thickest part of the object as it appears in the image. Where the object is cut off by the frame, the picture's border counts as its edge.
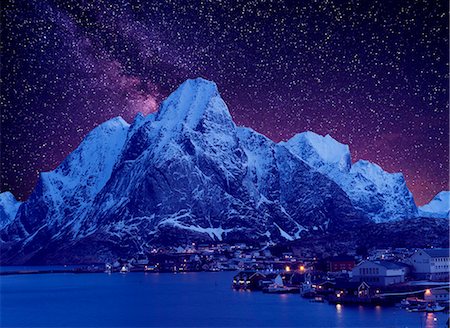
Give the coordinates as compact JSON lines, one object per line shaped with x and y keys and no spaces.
{"x":414,"y":280}
{"x":202,"y":299}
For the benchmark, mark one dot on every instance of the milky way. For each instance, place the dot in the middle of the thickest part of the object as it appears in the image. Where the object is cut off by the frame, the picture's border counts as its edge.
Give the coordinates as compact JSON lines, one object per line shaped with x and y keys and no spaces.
{"x":373,"y":74}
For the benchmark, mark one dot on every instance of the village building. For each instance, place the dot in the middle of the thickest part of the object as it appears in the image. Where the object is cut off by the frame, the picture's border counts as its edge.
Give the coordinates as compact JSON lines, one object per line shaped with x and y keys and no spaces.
{"x":351,"y":292}
{"x":324,"y":287}
{"x":436,"y":295}
{"x":380,"y":273}
{"x":431,"y":264}
{"x":293,"y":278}
{"x":341,"y":263}
{"x":249,"y":280}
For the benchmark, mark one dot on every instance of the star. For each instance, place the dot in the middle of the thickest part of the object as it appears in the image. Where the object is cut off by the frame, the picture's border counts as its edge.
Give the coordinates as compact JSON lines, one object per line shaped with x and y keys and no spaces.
{"x":372,"y":74}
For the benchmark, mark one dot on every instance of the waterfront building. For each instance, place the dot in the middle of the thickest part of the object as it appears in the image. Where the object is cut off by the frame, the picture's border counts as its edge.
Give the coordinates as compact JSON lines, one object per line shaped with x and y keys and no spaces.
{"x":249,"y":280}
{"x":431,"y":264}
{"x":437,"y":295}
{"x":351,"y":292}
{"x":341,"y":263}
{"x":380,"y":273}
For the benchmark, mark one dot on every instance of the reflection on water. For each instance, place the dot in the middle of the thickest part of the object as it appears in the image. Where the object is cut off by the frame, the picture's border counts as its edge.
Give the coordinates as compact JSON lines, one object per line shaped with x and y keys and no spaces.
{"x":166,"y":300}
{"x":378,"y":311}
{"x":339,"y":313}
{"x":284,"y":297}
{"x":431,"y":321}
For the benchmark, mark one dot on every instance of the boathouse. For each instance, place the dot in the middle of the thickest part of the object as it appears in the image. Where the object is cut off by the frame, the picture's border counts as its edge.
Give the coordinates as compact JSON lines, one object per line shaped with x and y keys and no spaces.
{"x":249,"y":280}
{"x":380,"y":273}
{"x":431,"y":264}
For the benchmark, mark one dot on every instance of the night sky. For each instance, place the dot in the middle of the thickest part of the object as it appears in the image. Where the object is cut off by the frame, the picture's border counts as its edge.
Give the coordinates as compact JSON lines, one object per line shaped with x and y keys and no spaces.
{"x":373,"y":74}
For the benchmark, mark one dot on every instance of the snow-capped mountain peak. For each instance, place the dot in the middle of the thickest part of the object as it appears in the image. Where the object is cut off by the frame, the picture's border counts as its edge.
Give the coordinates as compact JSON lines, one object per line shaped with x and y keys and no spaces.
{"x":68,"y":191}
{"x":190,"y":103}
{"x":188,"y":173}
{"x":320,"y":151}
{"x":376,"y":174}
{"x":381,"y":195}
{"x":95,"y":156}
{"x":438,"y":207}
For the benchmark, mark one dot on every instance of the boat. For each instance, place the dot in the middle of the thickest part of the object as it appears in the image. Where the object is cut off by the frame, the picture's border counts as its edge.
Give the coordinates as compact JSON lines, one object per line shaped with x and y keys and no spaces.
{"x":404,"y":303}
{"x":124,"y":269}
{"x":415,"y":304}
{"x":274,"y":289}
{"x":278,"y":287}
{"x":416,"y":308}
{"x":422,"y":306}
{"x":434,"y":308}
{"x":108,"y":268}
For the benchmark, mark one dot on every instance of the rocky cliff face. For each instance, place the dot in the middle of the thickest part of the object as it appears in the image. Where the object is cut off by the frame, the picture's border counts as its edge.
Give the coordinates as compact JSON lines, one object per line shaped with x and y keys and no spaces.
{"x":188,"y":173}
{"x":8,"y":208}
{"x":380,"y":195}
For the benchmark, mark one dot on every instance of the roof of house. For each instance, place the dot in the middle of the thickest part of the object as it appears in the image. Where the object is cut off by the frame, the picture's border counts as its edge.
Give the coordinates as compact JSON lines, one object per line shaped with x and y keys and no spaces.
{"x":248,"y":273}
{"x":341,"y":258}
{"x":387,"y":264}
{"x":326,"y":282}
{"x":437,"y":252}
{"x":349,"y":284}
{"x":391,"y":265}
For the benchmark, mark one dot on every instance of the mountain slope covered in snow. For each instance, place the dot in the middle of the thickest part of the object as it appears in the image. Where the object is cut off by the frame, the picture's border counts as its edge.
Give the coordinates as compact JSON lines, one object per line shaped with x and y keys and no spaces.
{"x":438,"y":207}
{"x":188,"y":173}
{"x":380,"y":195}
{"x":8,"y":208}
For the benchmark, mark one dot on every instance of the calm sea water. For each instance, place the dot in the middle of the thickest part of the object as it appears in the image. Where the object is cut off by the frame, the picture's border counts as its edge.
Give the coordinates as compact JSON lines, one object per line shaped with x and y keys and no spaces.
{"x":190,"y":299}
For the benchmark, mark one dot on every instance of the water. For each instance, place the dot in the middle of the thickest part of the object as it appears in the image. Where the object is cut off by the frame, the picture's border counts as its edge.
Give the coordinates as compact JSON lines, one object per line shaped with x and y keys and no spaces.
{"x":190,"y":299}
{"x":39,"y":267}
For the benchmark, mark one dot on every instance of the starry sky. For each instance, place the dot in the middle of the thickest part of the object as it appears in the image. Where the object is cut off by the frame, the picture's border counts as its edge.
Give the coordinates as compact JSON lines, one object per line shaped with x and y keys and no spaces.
{"x":373,"y":74}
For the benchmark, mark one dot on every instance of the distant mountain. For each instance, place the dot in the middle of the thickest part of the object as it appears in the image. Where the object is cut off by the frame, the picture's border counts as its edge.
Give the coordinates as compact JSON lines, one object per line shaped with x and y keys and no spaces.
{"x":8,"y":208}
{"x":188,"y":173}
{"x":439,"y":207}
{"x":382,"y":196}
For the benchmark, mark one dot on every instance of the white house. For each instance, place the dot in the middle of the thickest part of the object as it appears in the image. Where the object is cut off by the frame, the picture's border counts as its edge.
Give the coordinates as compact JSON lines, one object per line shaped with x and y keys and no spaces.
{"x":431,"y":264}
{"x":379,"y":273}
{"x":437,"y":295}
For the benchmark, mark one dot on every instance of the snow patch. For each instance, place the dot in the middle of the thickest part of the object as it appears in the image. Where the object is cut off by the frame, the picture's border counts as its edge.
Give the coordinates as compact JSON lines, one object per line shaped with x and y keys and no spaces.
{"x":214,"y":233}
{"x":283,"y":233}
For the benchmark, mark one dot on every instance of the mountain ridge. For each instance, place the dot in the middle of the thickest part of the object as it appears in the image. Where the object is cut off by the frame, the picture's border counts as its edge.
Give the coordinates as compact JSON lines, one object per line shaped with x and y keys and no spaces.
{"x":188,"y":173}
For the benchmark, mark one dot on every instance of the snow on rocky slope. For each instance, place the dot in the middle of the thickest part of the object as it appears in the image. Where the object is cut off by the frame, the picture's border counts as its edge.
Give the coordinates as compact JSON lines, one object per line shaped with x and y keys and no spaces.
{"x":188,"y":173}
{"x":438,"y":207}
{"x":382,"y":196}
{"x":61,"y":197}
{"x":8,"y":208}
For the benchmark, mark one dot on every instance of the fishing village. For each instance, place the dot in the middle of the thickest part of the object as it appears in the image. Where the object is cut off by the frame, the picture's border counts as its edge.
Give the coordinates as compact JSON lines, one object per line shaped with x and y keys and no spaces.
{"x":415,"y":279}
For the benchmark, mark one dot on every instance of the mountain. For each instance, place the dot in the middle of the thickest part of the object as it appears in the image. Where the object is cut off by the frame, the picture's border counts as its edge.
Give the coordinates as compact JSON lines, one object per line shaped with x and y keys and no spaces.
{"x":188,"y":174}
{"x":8,"y":208}
{"x":380,"y":195}
{"x":439,"y":207}
{"x":61,"y":197}
{"x":410,"y":233}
